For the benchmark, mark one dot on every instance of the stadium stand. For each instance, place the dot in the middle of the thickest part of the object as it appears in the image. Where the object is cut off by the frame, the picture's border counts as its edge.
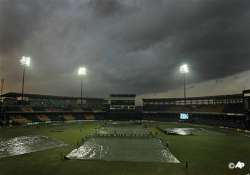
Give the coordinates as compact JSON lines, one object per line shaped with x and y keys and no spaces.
{"x":18,"y":120}
{"x":43,"y":118}
{"x":68,"y":117}
{"x":222,"y":103}
{"x":54,"y":102}
{"x":224,"y":110}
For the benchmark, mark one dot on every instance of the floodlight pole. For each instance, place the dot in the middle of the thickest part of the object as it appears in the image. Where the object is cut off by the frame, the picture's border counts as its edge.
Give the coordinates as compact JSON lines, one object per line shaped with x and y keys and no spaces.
{"x":23,"y":83}
{"x":81,"y":73}
{"x":2,"y":86}
{"x":185,"y":93}
{"x":81,"y":91}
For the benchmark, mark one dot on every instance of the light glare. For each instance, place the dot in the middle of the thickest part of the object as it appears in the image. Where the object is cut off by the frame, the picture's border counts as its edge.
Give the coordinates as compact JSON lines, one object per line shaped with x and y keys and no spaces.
{"x":25,"y":61}
{"x":184,"y":69}
{"x":82,"y":71}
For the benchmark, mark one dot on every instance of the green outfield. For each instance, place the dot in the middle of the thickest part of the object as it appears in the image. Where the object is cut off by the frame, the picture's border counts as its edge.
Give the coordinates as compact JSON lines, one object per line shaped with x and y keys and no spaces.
{"x":207,"y":150}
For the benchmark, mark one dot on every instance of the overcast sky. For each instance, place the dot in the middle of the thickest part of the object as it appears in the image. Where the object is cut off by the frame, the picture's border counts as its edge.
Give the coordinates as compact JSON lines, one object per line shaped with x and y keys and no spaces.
{"x":128,"y":46}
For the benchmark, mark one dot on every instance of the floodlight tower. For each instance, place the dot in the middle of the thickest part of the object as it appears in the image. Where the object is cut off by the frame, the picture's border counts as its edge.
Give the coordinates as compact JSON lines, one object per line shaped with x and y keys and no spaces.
{"x":184,"y":69}
{"x":2,"y":86}
{"x":82,"y":72}
{"x":25,"y":62}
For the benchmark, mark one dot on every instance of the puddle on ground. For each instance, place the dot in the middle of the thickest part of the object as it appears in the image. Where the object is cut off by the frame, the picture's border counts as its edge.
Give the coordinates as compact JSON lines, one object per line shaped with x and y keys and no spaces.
{"x":26,"y":144}
{"x":180,"y":131}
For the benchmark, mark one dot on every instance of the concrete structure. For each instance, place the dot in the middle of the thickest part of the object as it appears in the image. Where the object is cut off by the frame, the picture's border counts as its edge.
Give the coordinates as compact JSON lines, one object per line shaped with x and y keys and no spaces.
{"x":124,"y":102}
{"x":53,"y":101}
{"x":221,"y":103}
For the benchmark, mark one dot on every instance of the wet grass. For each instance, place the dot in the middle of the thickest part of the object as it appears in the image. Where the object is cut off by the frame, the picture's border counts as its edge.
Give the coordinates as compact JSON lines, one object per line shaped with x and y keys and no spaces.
{"x":207,"y":153}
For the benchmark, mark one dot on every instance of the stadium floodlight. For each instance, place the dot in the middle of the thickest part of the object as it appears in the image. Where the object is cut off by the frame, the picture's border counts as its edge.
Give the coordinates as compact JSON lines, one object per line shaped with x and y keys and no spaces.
{"x":184,"y":69}
{"x":25,"y":62}
{"x":82,"y":71}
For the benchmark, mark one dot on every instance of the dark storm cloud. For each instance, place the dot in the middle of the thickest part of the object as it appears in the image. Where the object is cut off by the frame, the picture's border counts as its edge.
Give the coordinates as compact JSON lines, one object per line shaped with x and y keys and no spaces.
{"x":18,"y":20}
{"x":105,"y":8}
{"x":132,"y":46}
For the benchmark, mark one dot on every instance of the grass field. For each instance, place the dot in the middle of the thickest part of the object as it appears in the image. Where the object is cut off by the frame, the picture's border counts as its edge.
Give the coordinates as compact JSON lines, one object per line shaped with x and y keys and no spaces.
{"x":208,"y":152}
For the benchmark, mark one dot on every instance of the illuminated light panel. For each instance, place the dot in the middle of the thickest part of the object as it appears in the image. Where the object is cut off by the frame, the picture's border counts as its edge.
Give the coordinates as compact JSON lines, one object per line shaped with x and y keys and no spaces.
{"x":82,"y":71}
{"x":184,"y":69}
{"x":25,"y":61}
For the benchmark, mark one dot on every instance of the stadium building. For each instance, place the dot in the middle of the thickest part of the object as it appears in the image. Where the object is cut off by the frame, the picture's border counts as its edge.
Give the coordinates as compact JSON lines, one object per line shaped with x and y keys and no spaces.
{"x":246,"y":95}
{"x":37,"y":100}
{"x":122,"y":102}
{"x":223,"y":110}
{"x":220,"y":103}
